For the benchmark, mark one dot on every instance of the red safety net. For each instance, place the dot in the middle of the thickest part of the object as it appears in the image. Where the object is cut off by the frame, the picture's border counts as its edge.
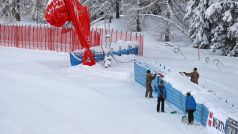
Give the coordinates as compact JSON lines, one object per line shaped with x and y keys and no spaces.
{"x":60,"y":39}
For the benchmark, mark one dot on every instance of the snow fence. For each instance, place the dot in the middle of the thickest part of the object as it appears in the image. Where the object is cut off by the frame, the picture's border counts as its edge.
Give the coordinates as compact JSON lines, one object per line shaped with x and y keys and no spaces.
{"x":174,"y":96}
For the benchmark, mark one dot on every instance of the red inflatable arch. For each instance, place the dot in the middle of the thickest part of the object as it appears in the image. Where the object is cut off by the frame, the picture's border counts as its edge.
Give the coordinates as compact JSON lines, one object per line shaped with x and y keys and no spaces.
{"x":58,"y":12}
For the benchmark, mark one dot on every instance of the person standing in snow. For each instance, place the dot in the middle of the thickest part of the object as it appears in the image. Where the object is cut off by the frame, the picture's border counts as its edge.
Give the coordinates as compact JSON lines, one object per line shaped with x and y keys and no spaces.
{"x":161,"y":94}
{"x":190,"y":107}
{"x":194,"y":75}
{"x":149,"y":78}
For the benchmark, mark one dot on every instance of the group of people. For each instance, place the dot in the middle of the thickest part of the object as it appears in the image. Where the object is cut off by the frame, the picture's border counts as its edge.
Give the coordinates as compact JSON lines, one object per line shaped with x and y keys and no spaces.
{"x":160,"y":89}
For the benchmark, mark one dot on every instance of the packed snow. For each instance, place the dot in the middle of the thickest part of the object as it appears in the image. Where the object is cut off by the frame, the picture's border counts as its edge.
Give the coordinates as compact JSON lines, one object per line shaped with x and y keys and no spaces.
{"x":41,"y":93}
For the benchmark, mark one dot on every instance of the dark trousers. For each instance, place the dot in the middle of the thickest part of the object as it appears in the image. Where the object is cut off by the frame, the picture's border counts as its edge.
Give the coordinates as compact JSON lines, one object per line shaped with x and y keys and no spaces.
{"x":160,"y":100}
{"x":190,"y":116}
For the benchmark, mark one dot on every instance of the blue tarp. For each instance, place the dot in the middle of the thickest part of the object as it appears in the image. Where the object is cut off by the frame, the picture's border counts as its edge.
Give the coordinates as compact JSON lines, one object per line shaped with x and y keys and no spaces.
{"x":76,"y":58}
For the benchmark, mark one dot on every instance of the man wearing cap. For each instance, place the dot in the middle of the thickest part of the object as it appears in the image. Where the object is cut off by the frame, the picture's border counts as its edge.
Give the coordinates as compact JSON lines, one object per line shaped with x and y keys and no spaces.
{"x":194,"y":75}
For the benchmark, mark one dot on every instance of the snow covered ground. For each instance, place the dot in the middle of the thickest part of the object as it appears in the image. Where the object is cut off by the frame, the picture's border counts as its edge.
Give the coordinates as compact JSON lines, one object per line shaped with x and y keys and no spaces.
{"x":40,"y":93}
{"x":218,"y":74}
{"x":217,"y":83}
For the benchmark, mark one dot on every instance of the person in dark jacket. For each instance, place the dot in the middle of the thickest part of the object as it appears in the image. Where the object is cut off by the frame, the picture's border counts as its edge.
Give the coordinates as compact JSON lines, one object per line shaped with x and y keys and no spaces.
{"x":194,"y":75}
{"x":161,"y":94}
{"x":149,"y":78}
{"x":190,"y":107}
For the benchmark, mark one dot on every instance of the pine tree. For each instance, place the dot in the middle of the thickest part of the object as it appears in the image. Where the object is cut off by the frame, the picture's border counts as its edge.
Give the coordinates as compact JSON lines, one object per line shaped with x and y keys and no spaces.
{"x":198,"y":25}
{"x":233,"y":33}
{"x":223,"y":15}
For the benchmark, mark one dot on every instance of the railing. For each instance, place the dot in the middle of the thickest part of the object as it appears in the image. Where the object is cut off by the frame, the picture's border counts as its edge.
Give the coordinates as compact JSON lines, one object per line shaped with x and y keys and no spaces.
{"x":44,"y":37}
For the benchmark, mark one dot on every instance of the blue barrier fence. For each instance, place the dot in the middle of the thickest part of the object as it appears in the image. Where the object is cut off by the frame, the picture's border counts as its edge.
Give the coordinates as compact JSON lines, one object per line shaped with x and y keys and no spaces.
{"x":174,"y":96}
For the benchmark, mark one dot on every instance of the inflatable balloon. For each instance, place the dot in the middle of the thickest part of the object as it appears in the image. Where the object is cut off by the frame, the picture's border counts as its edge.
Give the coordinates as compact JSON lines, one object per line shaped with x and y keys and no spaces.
{"x":60,"y":11}
{"x":56,"y":13}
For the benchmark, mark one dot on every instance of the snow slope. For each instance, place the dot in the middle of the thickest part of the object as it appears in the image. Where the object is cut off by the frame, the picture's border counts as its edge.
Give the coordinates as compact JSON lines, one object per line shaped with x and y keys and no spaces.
{"x":40,"y":93}
{"x":217,"y":84}
{"x":218,"y":74}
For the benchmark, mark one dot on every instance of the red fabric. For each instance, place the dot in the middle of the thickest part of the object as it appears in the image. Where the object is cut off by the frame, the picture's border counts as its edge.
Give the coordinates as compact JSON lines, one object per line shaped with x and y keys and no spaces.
{"x":88,"y":58}
{"x":59,"y":11}
{"x":56,"y":13}
{"x":78,"y":16}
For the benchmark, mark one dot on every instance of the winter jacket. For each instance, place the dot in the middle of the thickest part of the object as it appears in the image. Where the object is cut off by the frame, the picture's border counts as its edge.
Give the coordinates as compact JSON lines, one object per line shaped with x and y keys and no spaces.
{"x":190,"y":103}
{"x":194,"y":76}
{"x":161,"y":89}
{"x":149,"y":79}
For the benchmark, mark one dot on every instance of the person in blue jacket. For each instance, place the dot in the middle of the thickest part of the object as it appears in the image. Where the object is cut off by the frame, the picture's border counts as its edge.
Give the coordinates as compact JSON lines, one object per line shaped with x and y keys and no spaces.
{"x":161,"y":94}
{"x":190,"y":107}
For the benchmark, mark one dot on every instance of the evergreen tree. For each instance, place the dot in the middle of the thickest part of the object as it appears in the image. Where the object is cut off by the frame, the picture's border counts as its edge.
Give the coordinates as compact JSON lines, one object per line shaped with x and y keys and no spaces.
{"x":198,"y":25}
{"x":233,"y":34}
{"x":223,"y":15}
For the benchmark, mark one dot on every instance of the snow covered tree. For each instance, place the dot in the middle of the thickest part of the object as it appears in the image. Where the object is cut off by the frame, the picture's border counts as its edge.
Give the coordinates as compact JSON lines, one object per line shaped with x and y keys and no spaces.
{"x":132,"y":13}
{"x":167,"y":12}
{"x":10,"y":9}
{"x":213,"y":24}
{"x":38,"y":12}
{"x":223,"y":15}
{"x":233,"y":34}
{"x":102,"y":9}
{"x":199,"y":29}
{"x":171,"y":13}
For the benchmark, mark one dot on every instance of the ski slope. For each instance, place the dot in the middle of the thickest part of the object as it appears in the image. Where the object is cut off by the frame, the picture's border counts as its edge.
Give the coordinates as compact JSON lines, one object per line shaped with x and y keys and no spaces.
{"x":40,"y":93}
{"x":217,"y":87}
